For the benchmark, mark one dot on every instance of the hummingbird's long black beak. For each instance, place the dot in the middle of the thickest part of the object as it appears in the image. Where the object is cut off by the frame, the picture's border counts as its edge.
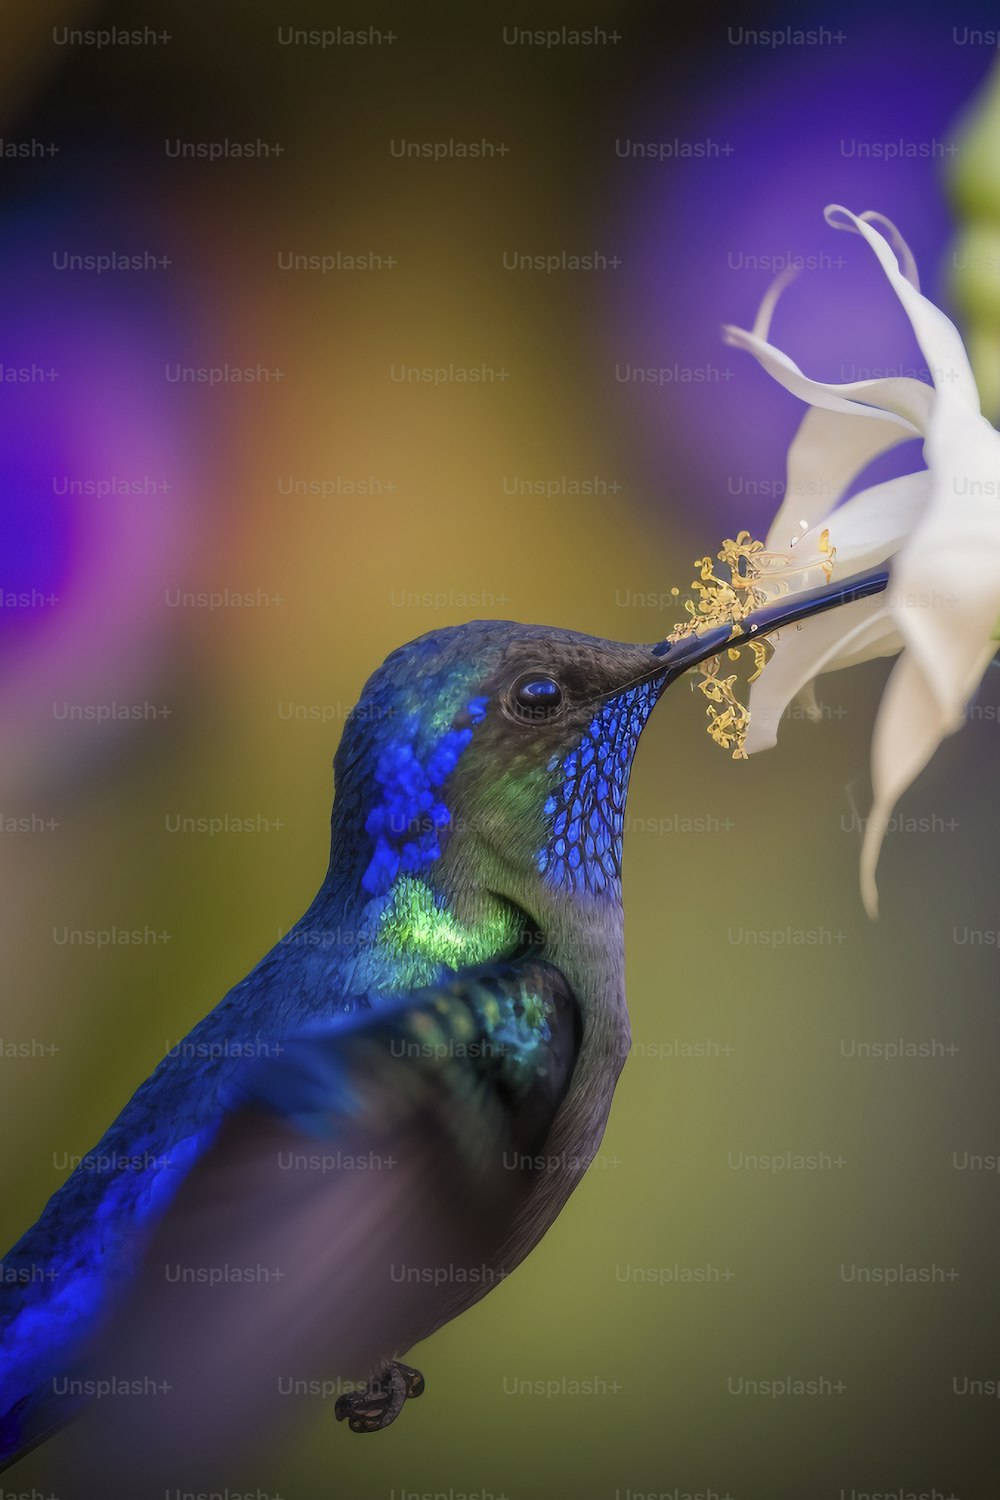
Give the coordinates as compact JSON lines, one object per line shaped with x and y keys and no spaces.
{"x":678,"y":656}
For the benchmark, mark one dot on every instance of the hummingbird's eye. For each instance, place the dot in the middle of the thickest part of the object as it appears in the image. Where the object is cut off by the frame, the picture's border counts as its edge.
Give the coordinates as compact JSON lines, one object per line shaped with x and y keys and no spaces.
{"x":535,"y":696}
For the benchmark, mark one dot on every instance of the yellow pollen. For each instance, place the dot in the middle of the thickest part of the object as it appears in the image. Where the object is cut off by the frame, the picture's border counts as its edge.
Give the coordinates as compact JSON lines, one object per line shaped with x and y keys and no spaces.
{"x":717,"y":599}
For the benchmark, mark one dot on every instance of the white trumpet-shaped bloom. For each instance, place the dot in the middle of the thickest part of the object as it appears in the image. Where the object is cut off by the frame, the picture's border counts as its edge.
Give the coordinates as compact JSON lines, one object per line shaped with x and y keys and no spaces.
{"x":937,"y":530}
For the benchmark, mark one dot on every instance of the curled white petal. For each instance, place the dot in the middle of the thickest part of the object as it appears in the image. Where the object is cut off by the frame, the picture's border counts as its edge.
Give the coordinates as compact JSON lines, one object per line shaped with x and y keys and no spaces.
{"x":888,"y":642}
{"x":769,"y":301}
{"x":909,"y":728}
{"x":801,"y":654}
{"x":903,"y":253}
{"x":896,"y":399}
{"x":870,"y":527}
{"x":939,"y":339}
{"x":864,"y":532}
{"x":827,"y":452}
{"x":945,"y":589}
{"x":806,"y":696}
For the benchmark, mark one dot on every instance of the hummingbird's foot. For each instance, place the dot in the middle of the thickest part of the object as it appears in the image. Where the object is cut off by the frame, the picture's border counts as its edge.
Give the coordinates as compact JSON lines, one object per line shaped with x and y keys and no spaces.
{"x":381,"y":1401}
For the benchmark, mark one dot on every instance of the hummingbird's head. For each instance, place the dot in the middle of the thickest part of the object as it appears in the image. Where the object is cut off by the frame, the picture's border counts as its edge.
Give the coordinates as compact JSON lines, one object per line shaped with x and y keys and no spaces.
{"x":492,"y":760}
{"x":497,"y":755}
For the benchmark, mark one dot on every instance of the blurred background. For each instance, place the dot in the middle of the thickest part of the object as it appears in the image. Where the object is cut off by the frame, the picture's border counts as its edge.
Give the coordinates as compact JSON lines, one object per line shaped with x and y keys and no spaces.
{"x":444,"y":343}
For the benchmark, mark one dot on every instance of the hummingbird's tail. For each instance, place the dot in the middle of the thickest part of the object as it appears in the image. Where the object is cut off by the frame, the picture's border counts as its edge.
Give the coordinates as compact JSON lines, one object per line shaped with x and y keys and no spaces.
{"x":31,"y":1406}
{"x":30,"y":1412}
{"x":50,"y":1289}
{"x":20,"y":1432}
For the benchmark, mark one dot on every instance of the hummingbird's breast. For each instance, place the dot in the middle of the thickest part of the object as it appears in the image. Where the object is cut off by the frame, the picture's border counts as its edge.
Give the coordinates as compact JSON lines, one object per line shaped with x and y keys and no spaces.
{"x":590,"y":952}
{"x":592,"y":959}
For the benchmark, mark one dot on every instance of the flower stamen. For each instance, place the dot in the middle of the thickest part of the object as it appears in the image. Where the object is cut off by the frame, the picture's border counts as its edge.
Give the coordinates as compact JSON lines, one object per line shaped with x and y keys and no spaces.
{"x":755,"y":577}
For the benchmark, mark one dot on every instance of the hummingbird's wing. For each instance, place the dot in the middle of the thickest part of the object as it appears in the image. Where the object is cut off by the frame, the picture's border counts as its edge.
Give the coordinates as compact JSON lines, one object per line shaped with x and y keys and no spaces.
{"x":365,"y":1178}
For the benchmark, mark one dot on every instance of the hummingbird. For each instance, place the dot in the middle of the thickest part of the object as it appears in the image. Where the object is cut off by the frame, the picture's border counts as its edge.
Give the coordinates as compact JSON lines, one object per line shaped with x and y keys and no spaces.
{"x":379,"y":1123}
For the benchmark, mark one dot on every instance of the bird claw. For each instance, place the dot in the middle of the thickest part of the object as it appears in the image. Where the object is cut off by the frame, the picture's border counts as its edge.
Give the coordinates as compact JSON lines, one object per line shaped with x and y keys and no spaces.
{"x":381,"y":1400}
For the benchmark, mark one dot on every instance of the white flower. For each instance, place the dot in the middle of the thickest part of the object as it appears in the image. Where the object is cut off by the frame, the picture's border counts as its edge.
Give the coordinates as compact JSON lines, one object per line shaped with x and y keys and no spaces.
{"x":939,"y":530}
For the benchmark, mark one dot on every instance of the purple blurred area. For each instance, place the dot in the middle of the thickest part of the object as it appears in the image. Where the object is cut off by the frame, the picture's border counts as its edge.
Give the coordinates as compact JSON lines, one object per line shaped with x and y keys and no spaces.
{"x":96,"y":473}
{"x":705,"y":235}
